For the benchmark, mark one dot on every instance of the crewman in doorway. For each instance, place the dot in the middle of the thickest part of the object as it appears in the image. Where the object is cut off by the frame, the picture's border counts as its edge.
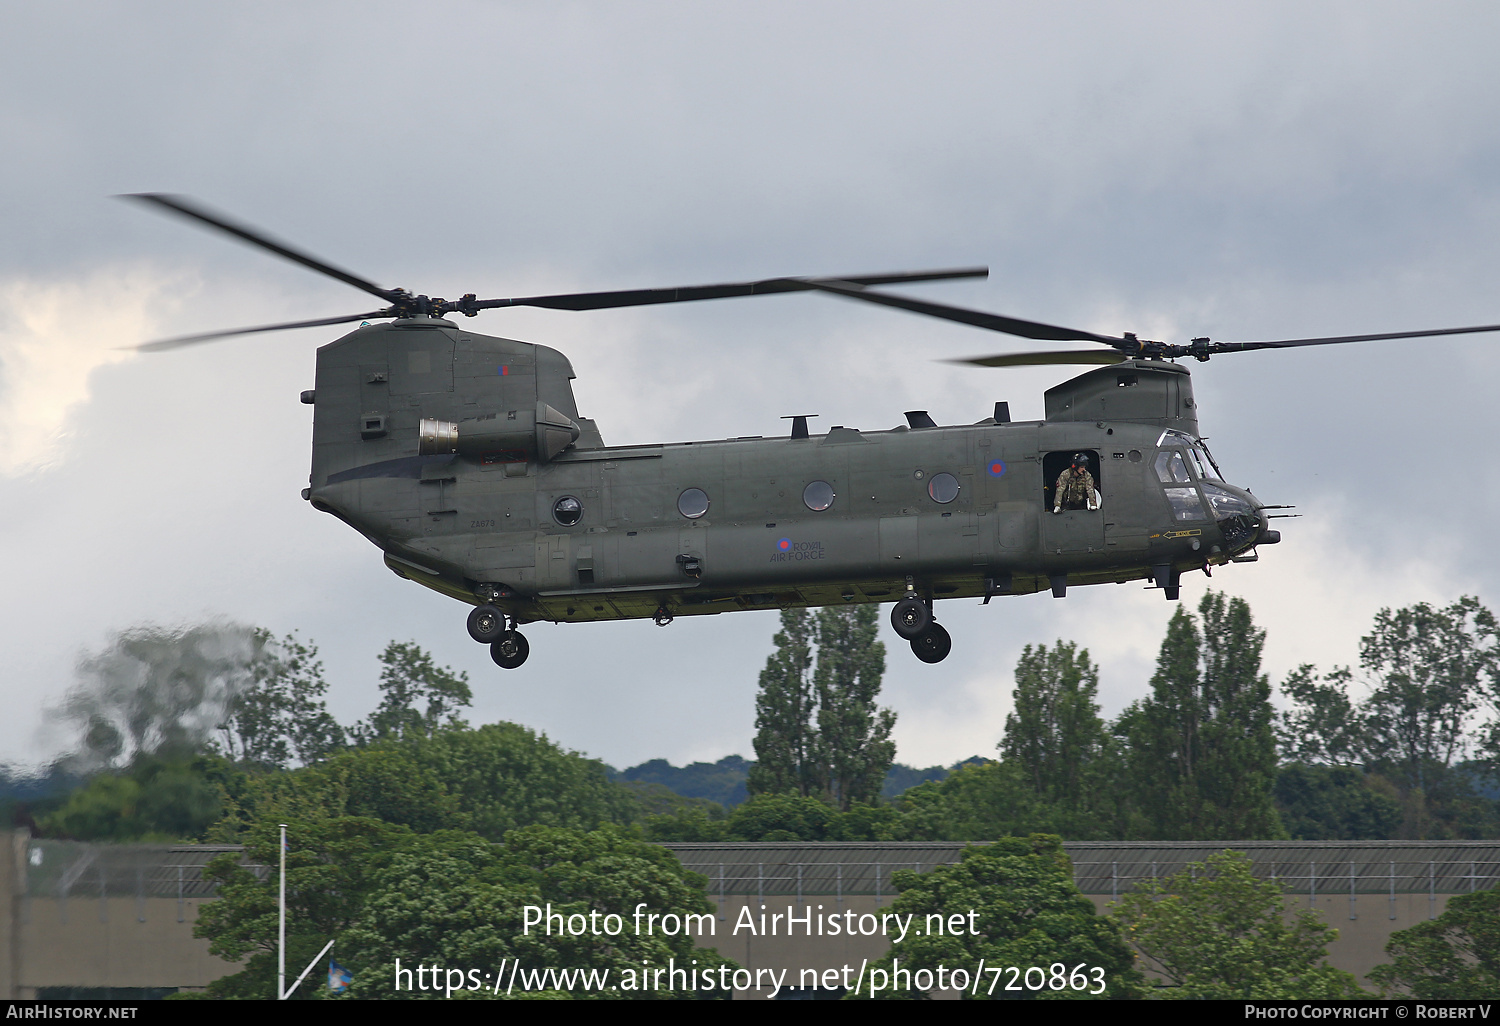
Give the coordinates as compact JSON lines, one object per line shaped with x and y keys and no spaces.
{"x":1075,"y":487}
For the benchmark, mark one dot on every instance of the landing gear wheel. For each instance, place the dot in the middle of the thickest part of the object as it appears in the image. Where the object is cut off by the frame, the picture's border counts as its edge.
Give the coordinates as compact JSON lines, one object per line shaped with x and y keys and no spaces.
{"x":511,"y":650}
{"x":933,"y":644}
{"x":910,"y":617}
{"x":486,"y":624}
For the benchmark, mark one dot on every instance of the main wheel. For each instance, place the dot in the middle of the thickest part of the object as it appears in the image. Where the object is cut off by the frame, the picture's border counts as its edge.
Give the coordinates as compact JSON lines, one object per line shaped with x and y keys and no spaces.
{"x":933,"y":644}
{"x":511,"y":650}
{"x":910,"y":617}
{"x":486,"y":624}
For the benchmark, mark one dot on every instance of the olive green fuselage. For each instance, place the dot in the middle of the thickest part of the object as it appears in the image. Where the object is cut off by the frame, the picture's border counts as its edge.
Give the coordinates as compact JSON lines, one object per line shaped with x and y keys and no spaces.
{"x":476,"y":523}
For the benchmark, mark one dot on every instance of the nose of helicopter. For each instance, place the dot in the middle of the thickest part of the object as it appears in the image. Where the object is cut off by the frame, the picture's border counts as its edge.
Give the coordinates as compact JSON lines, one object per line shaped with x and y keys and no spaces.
{"x":1239,"y":515}
{"x":1264,"y":535}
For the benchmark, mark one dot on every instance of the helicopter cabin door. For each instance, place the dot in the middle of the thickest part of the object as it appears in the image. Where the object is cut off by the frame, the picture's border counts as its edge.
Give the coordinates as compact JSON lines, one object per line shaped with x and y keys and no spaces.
{"x":1072,"y":520}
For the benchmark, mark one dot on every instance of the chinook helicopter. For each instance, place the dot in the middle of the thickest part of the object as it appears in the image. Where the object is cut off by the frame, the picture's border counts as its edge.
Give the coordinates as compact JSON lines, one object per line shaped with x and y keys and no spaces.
{"x":464,"y":459}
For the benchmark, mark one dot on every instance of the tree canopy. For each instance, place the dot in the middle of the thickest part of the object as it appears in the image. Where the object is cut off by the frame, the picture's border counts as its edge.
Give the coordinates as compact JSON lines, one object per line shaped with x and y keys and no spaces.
{"x":488,"y":780}
{"x":1027,"y":912}
{"x":1455,"y":956}
{"x":417,"y":697}
{"x":1214,"y":931}
{"x":785,"y":738}
{"x":454,"y":901}
{"x":277,"y":716}
{"x":819,"y":732}
{"x":451,"y":898}
{"x":1427,"y":672}
{"x":1055,"y":736}
{"x":1202,"y":747}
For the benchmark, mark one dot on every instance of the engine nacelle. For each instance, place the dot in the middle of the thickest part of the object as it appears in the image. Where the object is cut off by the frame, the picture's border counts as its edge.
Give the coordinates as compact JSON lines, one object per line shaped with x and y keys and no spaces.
{"x":541,"y":434}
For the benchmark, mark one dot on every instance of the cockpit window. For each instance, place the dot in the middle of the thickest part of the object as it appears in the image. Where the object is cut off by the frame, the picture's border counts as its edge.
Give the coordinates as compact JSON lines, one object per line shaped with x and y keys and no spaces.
{"x":1185,"y":503}
{"x":1211,"y":467}
{"x":1171,"y":468}
{"x":1196,"y":448}
{"x":1224,"y":502}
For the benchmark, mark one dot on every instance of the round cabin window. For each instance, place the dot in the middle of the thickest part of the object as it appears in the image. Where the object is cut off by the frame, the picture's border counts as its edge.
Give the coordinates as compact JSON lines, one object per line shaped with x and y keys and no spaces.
{"x":693,"y":503}
{"x":818,"y":496}
{"x":943,"y":488}
{"x":567,"y":511}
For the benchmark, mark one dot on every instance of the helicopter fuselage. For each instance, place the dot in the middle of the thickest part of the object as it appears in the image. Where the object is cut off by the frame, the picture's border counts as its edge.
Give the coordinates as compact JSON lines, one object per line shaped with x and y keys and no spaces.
{"x":463,"y":458}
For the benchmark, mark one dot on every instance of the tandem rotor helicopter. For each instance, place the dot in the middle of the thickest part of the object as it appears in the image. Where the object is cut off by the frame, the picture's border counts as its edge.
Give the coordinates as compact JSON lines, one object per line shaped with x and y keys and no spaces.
{"x":464,"y":459}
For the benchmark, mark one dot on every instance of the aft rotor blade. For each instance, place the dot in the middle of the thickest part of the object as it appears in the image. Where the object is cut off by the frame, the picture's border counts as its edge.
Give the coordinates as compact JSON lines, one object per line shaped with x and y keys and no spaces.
{"x":1292,"y":343}
{"x":1086,"y":356}
{"x":977,"y":318}
{"x":693,"y":293}
{"x":188,"y":340}
{"x":184,"y":207}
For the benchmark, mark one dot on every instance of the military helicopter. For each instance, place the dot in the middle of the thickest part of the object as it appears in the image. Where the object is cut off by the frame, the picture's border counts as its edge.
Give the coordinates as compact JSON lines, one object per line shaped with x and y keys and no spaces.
{"x":464,"y":459}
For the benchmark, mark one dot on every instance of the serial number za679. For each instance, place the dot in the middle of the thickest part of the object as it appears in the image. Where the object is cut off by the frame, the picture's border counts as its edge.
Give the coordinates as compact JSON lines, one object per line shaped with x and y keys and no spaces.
{"x":1055,"y":977}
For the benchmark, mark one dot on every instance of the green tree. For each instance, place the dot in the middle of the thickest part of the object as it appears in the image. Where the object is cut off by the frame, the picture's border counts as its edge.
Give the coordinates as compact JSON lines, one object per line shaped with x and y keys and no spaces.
{"x":154,"y":799}
{"x":780,"y":817}
{"x":504,"y":776}
{"x":1214,"y":931}
{"x":1202,"y":748}
{"x":408,"y":679}
{"x":1336,"y":803}
{"x":819,"y":732}
{"x":1027,"y":912}
{"x":489,"y":780}
{"x":692,"y":823}
{"x":1430,"y":668}
{"x":277,"y":716}
{"x":454,"y":901}
{"x":383,"y":893}
{"x":1055,"y":734}
{"x":854,"y":743}
{"x":1324,"y":726}
{"x":1455,"y":956}
{"x":330,"y":862}
{"x":974,"y":803}
{"x":784,"y":732}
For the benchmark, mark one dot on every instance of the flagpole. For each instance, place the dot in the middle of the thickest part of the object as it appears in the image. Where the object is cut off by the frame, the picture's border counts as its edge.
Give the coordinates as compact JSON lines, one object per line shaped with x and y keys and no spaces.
{"x":281,"y":930}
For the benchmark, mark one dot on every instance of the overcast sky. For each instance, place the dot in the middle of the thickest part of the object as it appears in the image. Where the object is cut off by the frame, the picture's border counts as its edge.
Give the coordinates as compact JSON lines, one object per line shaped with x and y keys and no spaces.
{"x":1249,"y":171}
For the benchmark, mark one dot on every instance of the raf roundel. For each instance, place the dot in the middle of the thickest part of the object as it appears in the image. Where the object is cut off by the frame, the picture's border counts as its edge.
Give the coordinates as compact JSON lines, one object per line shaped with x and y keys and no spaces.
{"x":785,"y":545}
{"x":997,"y":468}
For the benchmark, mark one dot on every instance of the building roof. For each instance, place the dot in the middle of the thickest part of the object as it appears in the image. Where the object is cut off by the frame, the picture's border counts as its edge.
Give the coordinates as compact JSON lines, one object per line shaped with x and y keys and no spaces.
{"x":1101,"y":867}
{"x":61,"y":869}
{"x":58,"y":869}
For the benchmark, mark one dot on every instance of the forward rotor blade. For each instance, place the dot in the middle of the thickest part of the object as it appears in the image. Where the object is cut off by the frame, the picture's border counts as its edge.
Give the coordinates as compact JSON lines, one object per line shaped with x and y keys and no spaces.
{"x":1293,"y":343}
{"x":692,"y":293}
{"x":977,"y":318}
{"x":1098,"y":357}
{"x":188,"y":340}
{"x":184,"y":207}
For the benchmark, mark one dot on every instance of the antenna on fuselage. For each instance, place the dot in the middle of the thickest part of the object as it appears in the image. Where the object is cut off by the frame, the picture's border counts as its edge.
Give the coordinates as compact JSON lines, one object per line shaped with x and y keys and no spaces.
{"x":799,"y":423}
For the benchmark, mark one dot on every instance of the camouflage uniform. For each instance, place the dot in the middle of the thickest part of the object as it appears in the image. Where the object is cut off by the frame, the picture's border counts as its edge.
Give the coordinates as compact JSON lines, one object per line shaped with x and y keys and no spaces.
{"x":1074,"y":491}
